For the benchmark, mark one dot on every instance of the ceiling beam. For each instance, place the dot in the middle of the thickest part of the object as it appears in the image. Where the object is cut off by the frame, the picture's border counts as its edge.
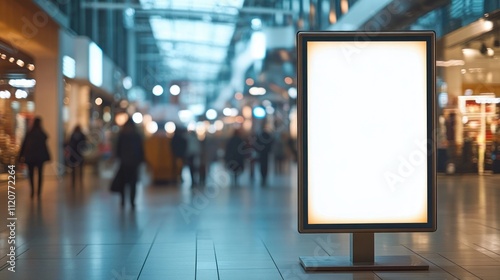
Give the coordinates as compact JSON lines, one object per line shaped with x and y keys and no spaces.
{"x":148,"y":40}
{"x":161,"y":59}
{"x":224,"y":11}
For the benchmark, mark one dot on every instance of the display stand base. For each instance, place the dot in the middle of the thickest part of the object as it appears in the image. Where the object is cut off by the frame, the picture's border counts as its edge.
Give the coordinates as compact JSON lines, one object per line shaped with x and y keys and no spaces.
{"x":381,"y":263}
{"x":362,"y":258}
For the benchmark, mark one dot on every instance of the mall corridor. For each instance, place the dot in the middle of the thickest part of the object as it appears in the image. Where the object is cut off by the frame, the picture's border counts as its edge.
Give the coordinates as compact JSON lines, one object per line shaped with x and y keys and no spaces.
{"x":223,"y":232}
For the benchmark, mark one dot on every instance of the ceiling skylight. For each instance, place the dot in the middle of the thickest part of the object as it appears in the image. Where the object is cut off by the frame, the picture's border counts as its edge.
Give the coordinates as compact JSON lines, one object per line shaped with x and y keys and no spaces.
{"x":193,"y":46}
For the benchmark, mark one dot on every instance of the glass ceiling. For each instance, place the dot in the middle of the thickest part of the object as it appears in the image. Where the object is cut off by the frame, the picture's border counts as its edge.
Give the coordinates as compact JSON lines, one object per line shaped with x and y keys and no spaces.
{"x":196,"y":47}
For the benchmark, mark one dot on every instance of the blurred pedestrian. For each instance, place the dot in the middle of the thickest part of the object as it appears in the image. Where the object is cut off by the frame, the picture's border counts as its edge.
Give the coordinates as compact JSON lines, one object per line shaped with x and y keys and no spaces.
{"x":280,"y":153}
{"x":193,"y":156}
{"x":34,"y":153}
{"x":234,"y":156}
{"x":179,"y":147}
{"x":204,"y":161}
{"x":263,"y":147}
{"x":74,"y":154}
{"x":130,"y":152}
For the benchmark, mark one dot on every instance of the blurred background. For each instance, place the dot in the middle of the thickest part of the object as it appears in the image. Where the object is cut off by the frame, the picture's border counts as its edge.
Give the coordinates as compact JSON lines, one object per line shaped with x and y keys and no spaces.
{"x":206,"y":68}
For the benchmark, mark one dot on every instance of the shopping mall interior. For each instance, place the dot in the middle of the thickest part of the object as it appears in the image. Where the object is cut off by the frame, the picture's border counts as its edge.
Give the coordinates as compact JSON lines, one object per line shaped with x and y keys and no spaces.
{"x":212,"y":90}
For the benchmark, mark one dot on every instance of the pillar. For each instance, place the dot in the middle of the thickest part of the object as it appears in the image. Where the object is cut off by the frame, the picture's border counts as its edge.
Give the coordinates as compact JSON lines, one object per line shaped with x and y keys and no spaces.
{"x":48,"y":105}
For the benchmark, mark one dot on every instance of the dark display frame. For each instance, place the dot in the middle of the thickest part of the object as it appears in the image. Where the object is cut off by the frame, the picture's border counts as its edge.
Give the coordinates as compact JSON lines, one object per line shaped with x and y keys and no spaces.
{"x":359,"y":37}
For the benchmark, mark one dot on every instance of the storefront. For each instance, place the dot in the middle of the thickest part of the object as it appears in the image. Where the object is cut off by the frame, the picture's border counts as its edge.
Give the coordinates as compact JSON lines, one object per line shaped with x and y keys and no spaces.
{"x":30,"y":80}
{"x":17,"y":85}
{"x":93,"y":87}
{"x":470,"y":86}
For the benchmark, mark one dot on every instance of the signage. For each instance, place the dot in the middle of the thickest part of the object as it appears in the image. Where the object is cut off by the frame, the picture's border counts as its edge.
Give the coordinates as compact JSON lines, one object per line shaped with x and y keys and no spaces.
{"x":366,"y":121}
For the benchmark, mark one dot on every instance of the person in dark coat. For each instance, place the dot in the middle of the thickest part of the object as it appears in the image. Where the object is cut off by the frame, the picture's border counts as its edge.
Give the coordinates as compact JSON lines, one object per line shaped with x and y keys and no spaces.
{"x":179,"y":149}
{"x":74,"y":154}
{"x":234,"y":156}
{"x":263,"y":147}
{"x":130,"y":152}
{"x":34,"y":153}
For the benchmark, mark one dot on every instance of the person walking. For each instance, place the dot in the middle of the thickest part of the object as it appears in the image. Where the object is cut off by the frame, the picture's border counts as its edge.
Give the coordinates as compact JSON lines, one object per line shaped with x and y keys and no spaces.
{"x":179,"y":148}
{"x":234,"y":156}
{"x":263,"y":147}
{"x":74,"y":154}
{"x":34,"y":153}
{"x":130,"y":153}
{"x":193,"y":156}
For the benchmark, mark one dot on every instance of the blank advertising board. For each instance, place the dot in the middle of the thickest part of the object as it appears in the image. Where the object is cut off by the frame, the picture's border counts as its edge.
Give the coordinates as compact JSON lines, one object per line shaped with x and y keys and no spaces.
{"x":366,"y":131}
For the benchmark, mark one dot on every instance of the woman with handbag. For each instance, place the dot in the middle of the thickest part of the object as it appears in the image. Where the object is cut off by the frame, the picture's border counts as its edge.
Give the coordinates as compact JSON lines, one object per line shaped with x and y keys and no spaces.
{"x":130,"y":152}
{"x":34,"y":153}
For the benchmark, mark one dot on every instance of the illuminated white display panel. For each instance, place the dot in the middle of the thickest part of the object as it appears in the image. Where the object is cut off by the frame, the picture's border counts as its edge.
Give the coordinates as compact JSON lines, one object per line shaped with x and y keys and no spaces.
{"x":366,"y":133}
{"x":95,"y":64}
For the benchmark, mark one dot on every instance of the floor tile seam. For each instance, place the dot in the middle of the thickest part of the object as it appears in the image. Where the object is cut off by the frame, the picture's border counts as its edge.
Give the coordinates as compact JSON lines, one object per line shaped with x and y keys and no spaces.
{"x":216,"y":261}
{"x":86,"y":245}
{"x":17,"y":258}
{"x":475,"y":244}
{"x":5,"y":265}
{"x":443,"y":269}
{"x":458,"y":266}
{"x":274,"y":262}
{"x":488,"y":226}
{"x":196,"y":255}
{"x":150,"y":248}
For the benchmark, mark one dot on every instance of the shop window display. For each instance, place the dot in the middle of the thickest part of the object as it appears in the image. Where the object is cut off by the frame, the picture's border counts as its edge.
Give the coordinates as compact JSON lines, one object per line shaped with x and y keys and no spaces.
{"x":17,"y":87}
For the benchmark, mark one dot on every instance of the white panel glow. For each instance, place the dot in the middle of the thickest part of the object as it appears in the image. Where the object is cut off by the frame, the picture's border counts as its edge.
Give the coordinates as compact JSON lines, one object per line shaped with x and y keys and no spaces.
{"x":367,"y":132}
{"x":69,"y":66}
{"x":95,"y":64}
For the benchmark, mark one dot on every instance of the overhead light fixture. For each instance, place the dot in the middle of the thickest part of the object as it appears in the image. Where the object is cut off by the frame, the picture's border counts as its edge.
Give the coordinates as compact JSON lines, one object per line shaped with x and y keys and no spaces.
{"x":483,"y":49}
{"x":22,"y":83}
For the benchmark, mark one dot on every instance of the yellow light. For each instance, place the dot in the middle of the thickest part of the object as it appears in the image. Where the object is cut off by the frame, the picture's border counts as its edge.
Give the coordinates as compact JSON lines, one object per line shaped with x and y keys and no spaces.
{"x":152,"y":127}
{"x":288,"y":80}
{"x":239,"y":119}
{"x":344,"y":6}
{"x":219,"y":125}
{"x":11,"y":60}
{"x":246,"y":112}
{"x":249,"y":81}
{"x":20,"y":63}
{"x":98,"y":101}
{"x":123,"y":104}
{"x":238,"y":96}
{"x":31,"y":67}
{"x":332,"y":17}
{"x":170,"y":127}
{"x":247,"y":125}
{"x":121,"y":119}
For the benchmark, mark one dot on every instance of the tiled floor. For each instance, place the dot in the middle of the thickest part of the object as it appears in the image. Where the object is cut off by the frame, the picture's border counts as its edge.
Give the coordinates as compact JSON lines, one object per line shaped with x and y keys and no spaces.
{"x":226,"y":233}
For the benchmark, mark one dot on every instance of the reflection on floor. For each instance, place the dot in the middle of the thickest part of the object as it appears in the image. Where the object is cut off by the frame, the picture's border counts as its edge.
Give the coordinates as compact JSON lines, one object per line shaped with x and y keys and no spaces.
{"x":222,"y":232}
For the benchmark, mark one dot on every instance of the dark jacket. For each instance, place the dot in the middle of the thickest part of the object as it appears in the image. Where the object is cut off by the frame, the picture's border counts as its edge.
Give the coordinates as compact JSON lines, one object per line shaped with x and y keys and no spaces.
{"x":74,"y":149}
{"x":34,"y":148}
{"x":179,"y":145}
{"x":129,"y":148}
{"x":234,"y":155}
